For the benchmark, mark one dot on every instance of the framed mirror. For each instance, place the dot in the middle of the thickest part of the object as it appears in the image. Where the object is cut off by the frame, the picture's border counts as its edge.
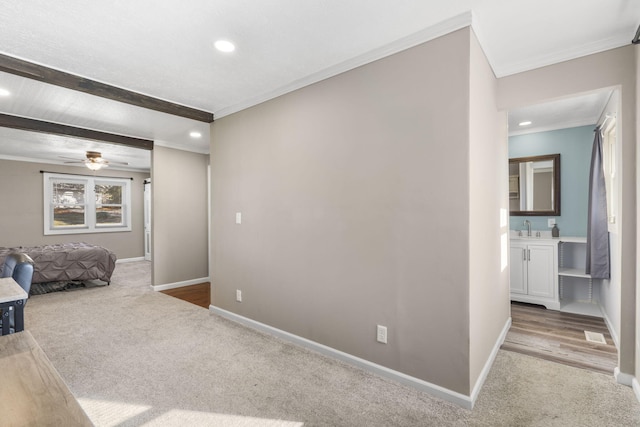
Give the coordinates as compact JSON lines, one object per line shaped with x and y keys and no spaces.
{"x":534,"y":186}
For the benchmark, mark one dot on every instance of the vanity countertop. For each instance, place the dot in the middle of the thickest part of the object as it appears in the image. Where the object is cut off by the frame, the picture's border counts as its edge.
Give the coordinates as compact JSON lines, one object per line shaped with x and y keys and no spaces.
{"x":545,"y":236}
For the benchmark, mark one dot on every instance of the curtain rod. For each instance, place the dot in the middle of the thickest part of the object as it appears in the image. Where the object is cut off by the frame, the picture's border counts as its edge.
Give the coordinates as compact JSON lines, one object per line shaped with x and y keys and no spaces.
{"x":95,"y":176}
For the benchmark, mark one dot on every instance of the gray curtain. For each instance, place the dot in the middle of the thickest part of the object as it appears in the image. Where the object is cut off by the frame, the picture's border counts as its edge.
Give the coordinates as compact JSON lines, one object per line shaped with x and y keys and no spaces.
{"x":597,"y":224}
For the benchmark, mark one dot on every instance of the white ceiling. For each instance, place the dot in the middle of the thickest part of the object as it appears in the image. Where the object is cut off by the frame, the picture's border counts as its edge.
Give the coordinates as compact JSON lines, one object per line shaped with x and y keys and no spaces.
{"x":580,"y":110}
{"x":165,"y":49}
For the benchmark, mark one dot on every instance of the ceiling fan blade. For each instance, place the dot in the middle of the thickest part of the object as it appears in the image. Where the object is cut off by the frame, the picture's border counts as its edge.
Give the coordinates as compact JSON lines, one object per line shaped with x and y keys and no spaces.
{"x":92,"y":157}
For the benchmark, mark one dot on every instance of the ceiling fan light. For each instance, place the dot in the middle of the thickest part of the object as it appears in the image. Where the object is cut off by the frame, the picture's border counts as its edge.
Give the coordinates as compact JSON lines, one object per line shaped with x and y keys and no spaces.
{"x":94,"y":166}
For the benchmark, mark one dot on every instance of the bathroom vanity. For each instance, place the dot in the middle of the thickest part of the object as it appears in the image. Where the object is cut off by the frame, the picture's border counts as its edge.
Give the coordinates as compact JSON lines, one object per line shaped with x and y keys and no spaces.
{"x":534,"y":271}
{"x":550,"y":272}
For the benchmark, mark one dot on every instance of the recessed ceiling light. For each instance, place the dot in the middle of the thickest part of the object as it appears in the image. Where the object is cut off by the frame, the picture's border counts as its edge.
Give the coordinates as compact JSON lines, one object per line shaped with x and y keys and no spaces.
{"x":225,"y":46}
{"x":525,"y":123}
{"x":4,"y":92}
{"x":195,"y":134}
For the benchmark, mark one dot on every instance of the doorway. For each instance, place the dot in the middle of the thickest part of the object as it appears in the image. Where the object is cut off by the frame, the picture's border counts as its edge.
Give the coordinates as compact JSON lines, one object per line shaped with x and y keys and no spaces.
{"x":537,"y":331}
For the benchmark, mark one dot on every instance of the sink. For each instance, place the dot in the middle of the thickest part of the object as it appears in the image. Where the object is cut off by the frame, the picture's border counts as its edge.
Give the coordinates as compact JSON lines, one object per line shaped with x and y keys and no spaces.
{"x":543,"y":235}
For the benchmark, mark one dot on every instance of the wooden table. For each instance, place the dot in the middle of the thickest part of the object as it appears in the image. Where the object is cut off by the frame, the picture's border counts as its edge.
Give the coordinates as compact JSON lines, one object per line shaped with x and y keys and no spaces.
{"x":12,"y":298}
{"x":31,"y":390}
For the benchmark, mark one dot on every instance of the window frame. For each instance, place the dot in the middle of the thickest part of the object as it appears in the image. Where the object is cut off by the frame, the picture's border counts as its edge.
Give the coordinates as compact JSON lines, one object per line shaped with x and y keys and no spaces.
{"x":90,"y":204}
{"x":609,"y":166}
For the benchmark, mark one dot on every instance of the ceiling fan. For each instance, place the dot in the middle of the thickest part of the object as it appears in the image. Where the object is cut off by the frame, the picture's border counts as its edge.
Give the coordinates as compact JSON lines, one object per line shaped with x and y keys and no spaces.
{"x":94,"y":161}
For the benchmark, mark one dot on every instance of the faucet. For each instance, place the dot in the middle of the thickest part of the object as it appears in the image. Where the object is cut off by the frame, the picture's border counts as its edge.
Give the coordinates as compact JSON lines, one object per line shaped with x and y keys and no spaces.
{"x":528,"y":224}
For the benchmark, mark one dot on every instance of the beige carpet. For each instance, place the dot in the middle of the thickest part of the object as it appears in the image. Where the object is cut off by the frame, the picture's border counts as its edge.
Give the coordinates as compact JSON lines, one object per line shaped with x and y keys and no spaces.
{"x":134,"y":357}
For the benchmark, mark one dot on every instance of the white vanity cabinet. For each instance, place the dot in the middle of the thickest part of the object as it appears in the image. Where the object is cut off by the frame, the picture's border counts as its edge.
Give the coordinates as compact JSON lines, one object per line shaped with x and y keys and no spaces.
{"x":534,"y":271}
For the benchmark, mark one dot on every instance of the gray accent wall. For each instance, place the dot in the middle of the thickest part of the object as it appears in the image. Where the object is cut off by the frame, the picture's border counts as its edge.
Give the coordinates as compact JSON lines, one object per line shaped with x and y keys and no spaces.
{"x":179,"y":188}
{"x":22,"y":209}
{"x":356,"y":202}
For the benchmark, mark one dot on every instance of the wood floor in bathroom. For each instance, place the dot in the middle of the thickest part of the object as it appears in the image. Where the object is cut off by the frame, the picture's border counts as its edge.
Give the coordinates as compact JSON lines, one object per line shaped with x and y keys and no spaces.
{"x":559,"y":337}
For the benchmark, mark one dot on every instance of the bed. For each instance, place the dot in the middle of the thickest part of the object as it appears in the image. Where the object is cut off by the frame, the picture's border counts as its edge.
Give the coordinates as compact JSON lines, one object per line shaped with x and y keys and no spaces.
{"x":67,"y":262}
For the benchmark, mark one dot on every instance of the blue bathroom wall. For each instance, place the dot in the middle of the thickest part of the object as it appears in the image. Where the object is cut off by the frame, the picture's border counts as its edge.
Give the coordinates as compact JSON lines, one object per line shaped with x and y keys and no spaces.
{"x":574,"y":146}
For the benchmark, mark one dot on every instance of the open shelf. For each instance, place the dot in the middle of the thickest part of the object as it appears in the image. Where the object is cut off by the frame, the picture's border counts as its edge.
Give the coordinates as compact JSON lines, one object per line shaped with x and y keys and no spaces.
{"x":573,"y":272}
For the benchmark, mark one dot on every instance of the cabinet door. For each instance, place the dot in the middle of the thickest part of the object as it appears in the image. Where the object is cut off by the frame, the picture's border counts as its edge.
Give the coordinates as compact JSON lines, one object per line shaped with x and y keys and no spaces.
{"x":540,"y":271}
{"x":518,"y":269}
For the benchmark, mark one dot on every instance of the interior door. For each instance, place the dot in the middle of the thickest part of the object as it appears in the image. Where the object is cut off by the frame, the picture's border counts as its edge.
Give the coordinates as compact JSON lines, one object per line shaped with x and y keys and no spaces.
{"x":518,"y":269}
{"x":540,"y":272}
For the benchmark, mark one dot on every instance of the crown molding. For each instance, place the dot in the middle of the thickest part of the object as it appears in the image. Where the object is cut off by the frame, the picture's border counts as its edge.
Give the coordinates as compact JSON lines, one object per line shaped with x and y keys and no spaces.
{"x":566,"y":55}
{"x":445,"y":27}
{"x":557,"y":126}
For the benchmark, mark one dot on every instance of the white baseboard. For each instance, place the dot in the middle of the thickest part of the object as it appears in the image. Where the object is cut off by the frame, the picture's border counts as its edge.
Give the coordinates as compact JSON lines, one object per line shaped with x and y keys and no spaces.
{"x":622,"y":378}
{"x":636,"y":388}
{"x":179,"y":284}
{"x":487,"y":366}
{"x":433,"y":389}
{"x":612,"y":331}
{"x":123,"y":260}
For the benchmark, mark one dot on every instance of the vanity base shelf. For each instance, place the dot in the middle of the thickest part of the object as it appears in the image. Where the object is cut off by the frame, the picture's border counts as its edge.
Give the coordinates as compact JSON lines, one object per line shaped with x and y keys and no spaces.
{"x":584,"y":308}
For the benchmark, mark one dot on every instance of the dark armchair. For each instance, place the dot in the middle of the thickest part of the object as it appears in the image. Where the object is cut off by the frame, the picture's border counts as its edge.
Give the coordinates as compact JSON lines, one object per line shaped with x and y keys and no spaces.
{"x":20,"y":267}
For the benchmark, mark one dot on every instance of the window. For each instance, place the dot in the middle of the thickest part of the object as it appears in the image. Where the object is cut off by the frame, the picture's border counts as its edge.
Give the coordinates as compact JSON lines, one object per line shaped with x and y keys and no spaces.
{"x":79,"y":204}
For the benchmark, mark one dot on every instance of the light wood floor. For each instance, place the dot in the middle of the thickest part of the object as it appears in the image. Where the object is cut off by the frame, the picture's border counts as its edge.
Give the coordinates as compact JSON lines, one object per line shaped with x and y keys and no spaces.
{"x":559,"y":337}
{"x":199,"y":294}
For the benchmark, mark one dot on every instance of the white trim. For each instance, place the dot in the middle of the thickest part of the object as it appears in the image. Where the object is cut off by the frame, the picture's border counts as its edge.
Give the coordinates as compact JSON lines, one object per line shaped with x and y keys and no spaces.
{"x":179,"y":284}
{"x":487,"y":366}
{"x":445,"y":27}
{"x":622,"y":378}
{"x":566,"y":55}
{"x":557,"y":126}
{"x":612,"y":331}
{"x":433,"y":389}
{"x":125,"y":260}
{"x":209,"y":219}
{"x":636,"y":388}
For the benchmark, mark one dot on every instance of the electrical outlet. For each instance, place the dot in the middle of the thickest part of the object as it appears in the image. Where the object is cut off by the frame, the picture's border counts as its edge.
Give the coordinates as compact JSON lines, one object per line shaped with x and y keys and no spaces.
{"x":238,"y":217}
{"x":238,"y":295}
{"x":551,"y":222}
{"x":382,"y":334}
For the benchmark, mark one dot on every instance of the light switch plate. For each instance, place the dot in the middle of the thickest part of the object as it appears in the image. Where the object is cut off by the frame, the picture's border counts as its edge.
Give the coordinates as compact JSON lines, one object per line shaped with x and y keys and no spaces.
{"x":551,"y":222}
{"x":238,"y":217}
{"x":381,"y":334}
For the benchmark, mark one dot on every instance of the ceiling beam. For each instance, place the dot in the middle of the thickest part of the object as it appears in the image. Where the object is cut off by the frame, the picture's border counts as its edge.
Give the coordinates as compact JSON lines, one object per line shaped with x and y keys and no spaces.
{"x":22,"y":68}
{"x":23,"y":123}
